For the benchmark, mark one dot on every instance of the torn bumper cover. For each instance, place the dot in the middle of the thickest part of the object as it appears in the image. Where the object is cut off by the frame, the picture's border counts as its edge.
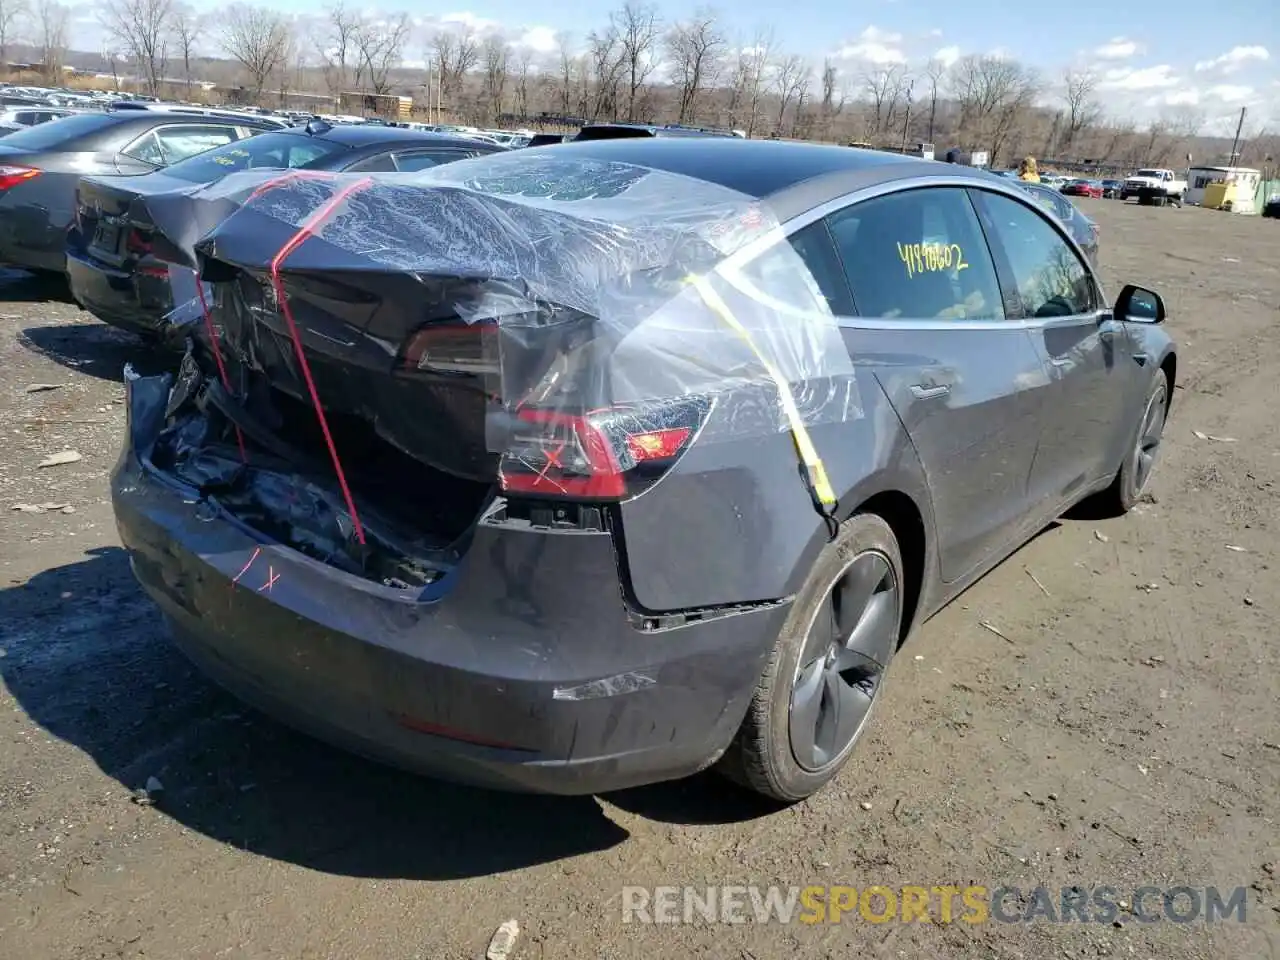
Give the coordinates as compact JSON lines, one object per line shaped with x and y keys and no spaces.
{"x":520,"y":670}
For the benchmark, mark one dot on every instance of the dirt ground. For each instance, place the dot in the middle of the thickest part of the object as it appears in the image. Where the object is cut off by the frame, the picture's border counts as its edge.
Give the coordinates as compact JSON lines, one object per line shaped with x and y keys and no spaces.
{"x":1126,"y":733}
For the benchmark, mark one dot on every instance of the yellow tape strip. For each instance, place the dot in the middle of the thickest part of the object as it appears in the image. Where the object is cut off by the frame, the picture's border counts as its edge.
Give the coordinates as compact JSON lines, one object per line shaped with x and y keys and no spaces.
{"x":799,"y":433}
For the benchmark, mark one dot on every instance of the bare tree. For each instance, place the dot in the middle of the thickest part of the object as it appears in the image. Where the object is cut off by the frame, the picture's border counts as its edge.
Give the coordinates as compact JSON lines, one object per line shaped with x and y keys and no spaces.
{"x":568,"y":75}
{"x":1083,"y":109}
{"x":750,"y":80}
{"x":457,"y":53}
{"x":993,"y":94}
{"x":54,"y":23}
{"x":694,"y":48}
{"x":833,"y":96}
{"x":142,"y":27}
{"x":636,"y":29}
{"x":884,"y":87}
{"x":935,"y":73}
{"x":524,"y":65}
{"x":607,"y":58}
{"x":496,"y":57}
{"x":336,"y":43}
{"x":187,"y":30}
{"x":257,"y":39}
{"x":380,"y":47}
{"x":12,"y":13}
{"x":790,"y":77}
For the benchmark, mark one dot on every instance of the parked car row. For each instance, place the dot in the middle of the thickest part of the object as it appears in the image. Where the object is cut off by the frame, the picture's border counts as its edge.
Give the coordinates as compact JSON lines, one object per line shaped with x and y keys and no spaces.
{"x":454,"y":456}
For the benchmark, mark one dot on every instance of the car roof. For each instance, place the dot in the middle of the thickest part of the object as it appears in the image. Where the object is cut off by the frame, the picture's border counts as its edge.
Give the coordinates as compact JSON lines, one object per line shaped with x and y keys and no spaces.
{"x":362,"y":134}
{"x":792,"y":176}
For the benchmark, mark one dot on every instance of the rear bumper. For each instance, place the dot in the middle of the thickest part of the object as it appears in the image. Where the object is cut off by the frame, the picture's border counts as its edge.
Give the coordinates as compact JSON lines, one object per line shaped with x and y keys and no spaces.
{"x":125,"y":299}
{"x":520,"y":671}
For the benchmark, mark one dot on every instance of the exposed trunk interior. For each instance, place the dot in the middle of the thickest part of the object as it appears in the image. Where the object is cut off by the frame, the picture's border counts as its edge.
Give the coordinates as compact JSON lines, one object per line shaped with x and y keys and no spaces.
{"x":416,"y":520}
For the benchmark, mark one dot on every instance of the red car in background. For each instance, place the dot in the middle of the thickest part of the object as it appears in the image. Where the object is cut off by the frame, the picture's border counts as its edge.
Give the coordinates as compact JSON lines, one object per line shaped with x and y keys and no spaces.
{"x":1083,"y":188}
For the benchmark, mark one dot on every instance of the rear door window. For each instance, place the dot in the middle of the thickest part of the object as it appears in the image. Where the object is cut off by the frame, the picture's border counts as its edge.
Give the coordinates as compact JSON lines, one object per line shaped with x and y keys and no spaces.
{"x":169,"y":144}
{"x":918,"y":254}
{"x":773,"y":270}
{"x":267,"y":150}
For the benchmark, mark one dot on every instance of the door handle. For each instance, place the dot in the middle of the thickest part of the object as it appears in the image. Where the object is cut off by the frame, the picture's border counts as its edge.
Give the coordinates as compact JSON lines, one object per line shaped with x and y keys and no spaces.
{"x":930,"y":391}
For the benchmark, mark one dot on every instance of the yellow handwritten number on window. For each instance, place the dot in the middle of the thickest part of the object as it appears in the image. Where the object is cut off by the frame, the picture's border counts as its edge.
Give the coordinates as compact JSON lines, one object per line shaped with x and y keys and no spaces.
{"x":921,"y":258}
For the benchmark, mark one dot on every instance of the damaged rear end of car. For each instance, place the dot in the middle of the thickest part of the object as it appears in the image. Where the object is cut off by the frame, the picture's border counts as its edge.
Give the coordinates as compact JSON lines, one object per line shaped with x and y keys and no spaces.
{"x":379,"y":497}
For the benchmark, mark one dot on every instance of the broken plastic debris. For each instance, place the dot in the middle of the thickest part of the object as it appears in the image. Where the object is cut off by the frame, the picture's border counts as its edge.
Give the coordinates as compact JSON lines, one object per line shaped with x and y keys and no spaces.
{"x":150,"y":793}
{"x":1100,"y":536}
{"x":1234,"y":549}
{"x":58,"y":459}
{"x":504,"y":941}
{"x":1209,"y":436}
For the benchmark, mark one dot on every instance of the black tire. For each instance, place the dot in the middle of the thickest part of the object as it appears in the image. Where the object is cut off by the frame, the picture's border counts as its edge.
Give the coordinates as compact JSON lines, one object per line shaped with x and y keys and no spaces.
{"x":1131,"y":479}
{"x":762,"y":757}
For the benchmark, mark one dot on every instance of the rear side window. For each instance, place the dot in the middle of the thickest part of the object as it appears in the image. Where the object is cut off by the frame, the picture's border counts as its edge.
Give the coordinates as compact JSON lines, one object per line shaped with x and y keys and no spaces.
{"x":768,"y":271}
{"x":62,"y":132}
{"x":1052,"y":281}
{"x":281,"y":151}
{"x":166,"y":145}
{"x":919,"y":254}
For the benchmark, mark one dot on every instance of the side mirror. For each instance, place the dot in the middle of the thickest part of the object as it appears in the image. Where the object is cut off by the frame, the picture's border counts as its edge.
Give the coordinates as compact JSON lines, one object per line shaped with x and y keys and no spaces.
{"x":1139,"y":305}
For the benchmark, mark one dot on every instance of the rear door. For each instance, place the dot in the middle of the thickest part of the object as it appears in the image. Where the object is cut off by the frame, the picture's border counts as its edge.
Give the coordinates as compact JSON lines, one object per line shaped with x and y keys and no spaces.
{"x":957,"y":365}
{"x":1087,"y":352}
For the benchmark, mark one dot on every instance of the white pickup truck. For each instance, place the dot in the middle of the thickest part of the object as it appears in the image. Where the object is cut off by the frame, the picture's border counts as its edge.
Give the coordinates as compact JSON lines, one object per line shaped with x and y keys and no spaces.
{"x":1154,"y":186}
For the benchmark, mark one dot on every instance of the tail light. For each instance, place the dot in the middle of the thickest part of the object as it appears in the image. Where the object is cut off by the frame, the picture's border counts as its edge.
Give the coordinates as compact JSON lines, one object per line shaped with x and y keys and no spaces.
{"x":601,"y":455}
{"x":11,"y":176}
{"x":453,"y":348}
{"x":137,"y":242}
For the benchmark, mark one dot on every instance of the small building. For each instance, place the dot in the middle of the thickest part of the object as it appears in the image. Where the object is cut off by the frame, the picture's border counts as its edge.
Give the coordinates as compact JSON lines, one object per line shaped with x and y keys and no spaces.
{"x":386,"y":105}
{"x":1223,"y":188}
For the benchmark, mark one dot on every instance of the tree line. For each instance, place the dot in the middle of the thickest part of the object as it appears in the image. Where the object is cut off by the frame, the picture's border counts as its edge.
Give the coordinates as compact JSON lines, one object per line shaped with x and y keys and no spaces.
{"x":637,"y":66}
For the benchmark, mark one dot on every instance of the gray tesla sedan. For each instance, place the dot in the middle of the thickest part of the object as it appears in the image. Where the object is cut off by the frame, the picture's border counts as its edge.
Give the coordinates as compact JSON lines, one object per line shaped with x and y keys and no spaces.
{"x":570,"y":470}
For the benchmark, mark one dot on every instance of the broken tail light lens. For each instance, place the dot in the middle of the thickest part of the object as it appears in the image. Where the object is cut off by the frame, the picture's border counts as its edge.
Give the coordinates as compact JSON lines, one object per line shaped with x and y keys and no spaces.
{"x":607,"y":454}
{"x":11,"y":175}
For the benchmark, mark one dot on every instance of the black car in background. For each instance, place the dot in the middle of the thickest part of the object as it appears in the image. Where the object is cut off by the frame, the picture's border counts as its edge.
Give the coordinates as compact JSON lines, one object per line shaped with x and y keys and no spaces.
{"x":1111,"y":189}
{"x":41,"y":167}
{"x":118,"y":271}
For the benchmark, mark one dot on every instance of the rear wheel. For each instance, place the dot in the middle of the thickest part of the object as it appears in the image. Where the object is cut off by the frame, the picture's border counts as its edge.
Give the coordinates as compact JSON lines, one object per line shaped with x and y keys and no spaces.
{"x":1140,"y":460}
{"x":823,"y":677}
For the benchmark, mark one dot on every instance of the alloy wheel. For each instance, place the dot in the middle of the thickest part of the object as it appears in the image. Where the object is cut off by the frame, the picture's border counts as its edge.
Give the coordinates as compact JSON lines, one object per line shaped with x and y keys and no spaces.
{"x":1149,"y":437}
{"x":847,"y":649}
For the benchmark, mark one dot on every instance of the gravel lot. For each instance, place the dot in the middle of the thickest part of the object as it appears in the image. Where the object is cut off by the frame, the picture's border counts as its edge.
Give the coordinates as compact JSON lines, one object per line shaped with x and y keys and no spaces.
{"x":1127,"y":731}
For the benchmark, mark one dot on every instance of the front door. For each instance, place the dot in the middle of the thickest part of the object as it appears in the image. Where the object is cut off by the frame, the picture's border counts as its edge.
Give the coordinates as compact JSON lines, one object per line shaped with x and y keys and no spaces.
{"x":962,"y":374}
{"x":1086,"y":350}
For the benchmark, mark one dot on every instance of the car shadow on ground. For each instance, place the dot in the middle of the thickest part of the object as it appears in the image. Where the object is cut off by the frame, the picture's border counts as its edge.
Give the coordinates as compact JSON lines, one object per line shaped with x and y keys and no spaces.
{"x":18,"y":286}
{"x":96,"y":349}
{"x":86,"y":657}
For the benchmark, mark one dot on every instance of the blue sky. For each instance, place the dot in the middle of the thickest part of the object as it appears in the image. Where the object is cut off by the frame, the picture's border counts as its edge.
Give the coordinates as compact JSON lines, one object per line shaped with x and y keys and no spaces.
{"x":1213,"y":59}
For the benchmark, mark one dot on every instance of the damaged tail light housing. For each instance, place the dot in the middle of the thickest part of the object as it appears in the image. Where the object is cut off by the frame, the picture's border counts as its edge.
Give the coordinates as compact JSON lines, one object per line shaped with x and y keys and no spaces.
{"x":608,"y":454}
{"x":453,"y":348}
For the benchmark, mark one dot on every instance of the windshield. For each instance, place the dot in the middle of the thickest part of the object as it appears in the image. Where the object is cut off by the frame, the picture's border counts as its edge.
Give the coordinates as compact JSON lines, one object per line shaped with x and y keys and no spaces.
{"x":59,"y":132}
{"x":280,"y":151}
{"x":1155,"y":174}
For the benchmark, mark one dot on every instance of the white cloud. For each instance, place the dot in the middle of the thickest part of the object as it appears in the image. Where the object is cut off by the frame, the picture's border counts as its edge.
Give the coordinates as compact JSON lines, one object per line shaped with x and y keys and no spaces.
{"x":1234,"y":59}
{"x":1230,"y":92}
{"x":935,"y":32}
{"x":875,"y":46}
{"x":1177,"y":98}
{"x":468,"y":21}
{"x":538,"y":39}
{"x":947,"y":56}
{"x":1144,"y":78}
{"x":1117,"y":48}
